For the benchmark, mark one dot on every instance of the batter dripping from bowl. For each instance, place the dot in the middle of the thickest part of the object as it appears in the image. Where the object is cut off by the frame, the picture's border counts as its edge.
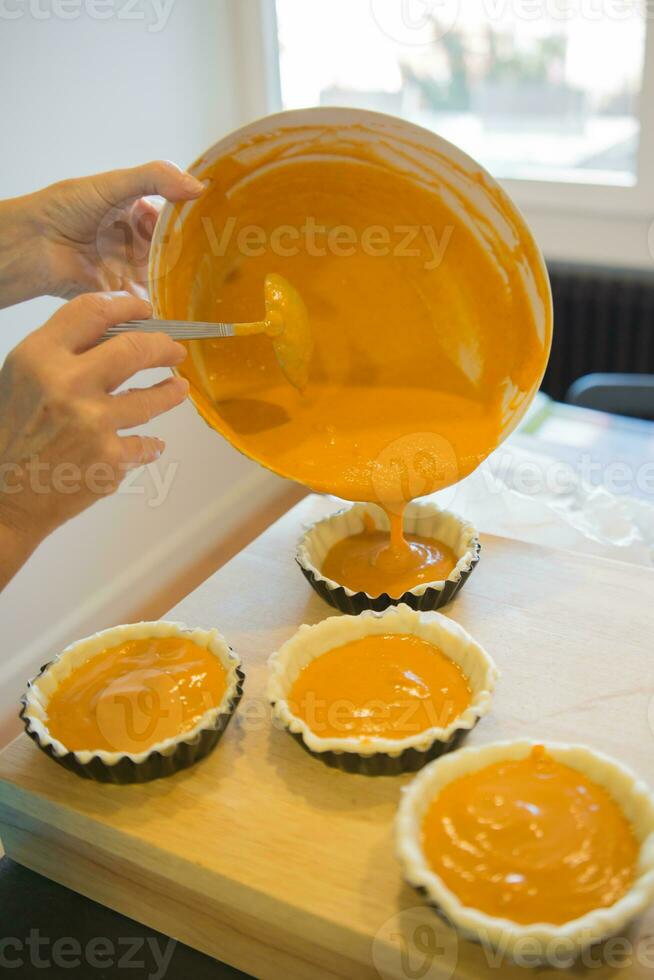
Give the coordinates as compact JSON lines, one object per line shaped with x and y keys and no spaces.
{"x":427,"y":297}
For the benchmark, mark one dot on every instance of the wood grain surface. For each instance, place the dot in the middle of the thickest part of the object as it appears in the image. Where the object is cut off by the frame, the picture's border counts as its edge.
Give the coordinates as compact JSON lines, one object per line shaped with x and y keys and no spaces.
{"x":267,"y":859}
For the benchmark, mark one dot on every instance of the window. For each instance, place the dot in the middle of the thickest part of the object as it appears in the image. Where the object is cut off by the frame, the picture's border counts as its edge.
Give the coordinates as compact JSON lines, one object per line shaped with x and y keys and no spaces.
{"x":539,"y":90}
{"x":555,"y":97}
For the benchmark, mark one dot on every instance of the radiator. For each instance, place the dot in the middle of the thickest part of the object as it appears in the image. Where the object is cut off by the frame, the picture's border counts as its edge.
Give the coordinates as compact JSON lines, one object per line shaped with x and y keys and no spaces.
{"x":603,"y":321}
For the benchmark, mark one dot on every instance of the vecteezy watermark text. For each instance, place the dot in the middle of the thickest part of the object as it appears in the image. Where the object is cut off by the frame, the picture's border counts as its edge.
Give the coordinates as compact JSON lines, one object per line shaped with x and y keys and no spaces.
{"x":423,"y":22}
{"x":99,"y":479}
{"x":153,"y":13}
{"x":146,"y":711}
{"x":415,"y":944}
{"x":318,"y":240}
{"x":149,"y":956}
{"x":118,"y":239}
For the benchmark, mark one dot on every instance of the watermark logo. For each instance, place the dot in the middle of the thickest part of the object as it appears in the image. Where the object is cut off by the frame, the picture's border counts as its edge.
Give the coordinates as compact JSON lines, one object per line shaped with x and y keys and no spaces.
{"x":412,"y":466}
{"x":401,"y":716}
{"x":318,"y":240}
{"x":140,"y":709}
{"x":154,"y":14}
{"x":40,"y":478}
{"x":415,"y":22}
{"x":415,"y":945}
{"x":123,"y":245}
{"x":581,"y":953}
{"x":150,"y":957}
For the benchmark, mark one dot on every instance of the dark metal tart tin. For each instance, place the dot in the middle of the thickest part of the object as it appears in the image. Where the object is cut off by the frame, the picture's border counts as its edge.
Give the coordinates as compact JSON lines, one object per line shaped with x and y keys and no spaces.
{"x":155,"y":765}
{"x":420,"y":599}
{"x":381,"y":764}
{"x":380,"y":756}
{"x":430,"y":599}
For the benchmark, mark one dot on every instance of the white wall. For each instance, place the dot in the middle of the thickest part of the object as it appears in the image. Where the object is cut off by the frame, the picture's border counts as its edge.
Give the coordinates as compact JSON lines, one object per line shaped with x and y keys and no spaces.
{"x":83,"y":95}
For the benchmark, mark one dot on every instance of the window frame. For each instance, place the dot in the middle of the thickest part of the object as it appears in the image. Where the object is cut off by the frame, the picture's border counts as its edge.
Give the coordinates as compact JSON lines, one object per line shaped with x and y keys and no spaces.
{"x":607,"y":223}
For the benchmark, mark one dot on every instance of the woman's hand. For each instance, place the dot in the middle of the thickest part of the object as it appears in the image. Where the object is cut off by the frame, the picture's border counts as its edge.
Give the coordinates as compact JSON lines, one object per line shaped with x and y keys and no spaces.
{"x":86,"y":235}
{"x":60,"y":448}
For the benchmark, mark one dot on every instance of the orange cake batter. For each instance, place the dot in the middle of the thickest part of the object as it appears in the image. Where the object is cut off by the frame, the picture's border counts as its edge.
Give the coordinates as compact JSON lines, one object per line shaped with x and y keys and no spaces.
{"x":370,"y":562}
{"x":428,"y":303}
{"x":530,"y":840}
{"x":133,"y":695}
{"x":389,"y":686}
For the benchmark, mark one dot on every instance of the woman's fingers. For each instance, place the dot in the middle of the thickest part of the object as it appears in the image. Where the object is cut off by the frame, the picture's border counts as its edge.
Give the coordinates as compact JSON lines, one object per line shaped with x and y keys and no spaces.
{"x":80,"y":323}
{"x":136,"y":289}
{"x":58,"y":411}
{"x":139,"y":405}
{"x":140,"y":450}
{"x":117,"y":187}
{"x":116,"y":360}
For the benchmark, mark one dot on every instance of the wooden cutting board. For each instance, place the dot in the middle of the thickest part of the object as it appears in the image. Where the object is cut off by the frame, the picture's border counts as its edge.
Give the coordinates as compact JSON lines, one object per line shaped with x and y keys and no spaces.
{"x":267,"y":859}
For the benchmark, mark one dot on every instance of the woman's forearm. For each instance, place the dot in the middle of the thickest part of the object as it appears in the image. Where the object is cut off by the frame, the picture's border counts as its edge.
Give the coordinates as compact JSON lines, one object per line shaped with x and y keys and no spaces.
{"x":15,"y":549}
{"x":23,"y":273}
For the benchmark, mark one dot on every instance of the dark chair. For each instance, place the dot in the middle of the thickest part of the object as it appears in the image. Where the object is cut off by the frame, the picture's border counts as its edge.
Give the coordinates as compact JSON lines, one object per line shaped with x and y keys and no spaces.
{"x":621,"y":394}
